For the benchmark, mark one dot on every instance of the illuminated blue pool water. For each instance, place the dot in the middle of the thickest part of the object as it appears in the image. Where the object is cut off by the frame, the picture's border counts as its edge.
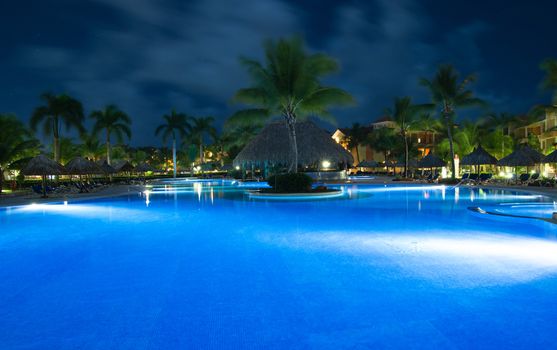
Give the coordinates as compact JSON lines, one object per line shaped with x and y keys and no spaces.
{"x":200,"y":265}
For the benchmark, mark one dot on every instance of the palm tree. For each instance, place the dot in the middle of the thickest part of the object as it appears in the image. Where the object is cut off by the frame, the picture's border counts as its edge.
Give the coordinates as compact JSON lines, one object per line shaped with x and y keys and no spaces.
{"x":429,"y":125}
{"x":176,"y":124}
{"x":234,"y":140}
{"x":288,"y":83}
{"x":405,"y":115}
{"x":501,"y":125}
{"x":112,"y":120}
{"x":202,"y":127}
{"x":16,"y":143}
{"x":90,"y":146}
{"x":356,"y":136}
{"x":58,"y":110}
{"x":382,"y":140}
{"x":449,"y":93}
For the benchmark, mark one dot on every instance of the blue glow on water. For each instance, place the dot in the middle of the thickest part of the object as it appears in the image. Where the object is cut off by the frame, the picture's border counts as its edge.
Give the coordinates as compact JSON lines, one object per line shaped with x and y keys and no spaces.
{"x":202,"y":265}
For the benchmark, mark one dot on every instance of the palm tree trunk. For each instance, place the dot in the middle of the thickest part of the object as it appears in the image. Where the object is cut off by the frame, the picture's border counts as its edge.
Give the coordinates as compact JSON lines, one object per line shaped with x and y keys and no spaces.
{"x":291,"y":125}
{"x":1,"y":179}
{"x":174,"y":155}
{"x":357,"y":155}
{"x":56,"y":147}
{"x":201,"y":154}
{"x":405,"y":155}
{"x":451,"y":147}
{"x":108,"y":161}
{"x":386,"y":164}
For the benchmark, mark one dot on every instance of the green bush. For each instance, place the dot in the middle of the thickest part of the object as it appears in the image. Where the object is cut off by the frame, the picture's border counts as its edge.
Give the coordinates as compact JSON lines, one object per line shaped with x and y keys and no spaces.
{"x":290,"y":183}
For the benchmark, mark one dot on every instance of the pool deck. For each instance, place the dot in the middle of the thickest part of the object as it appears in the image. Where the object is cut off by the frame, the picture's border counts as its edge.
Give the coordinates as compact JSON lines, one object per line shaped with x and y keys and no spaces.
{"x":10,"y":200}
{"x":106,"y":192}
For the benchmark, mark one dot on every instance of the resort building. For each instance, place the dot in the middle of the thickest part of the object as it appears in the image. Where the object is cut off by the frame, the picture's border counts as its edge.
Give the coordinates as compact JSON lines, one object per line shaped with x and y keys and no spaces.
{"x":545,"y":129}
{"x":424,"y":140}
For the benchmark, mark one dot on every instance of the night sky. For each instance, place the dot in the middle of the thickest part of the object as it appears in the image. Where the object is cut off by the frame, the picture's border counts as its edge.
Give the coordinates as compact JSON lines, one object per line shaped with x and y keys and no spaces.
{"x":149,"y":56}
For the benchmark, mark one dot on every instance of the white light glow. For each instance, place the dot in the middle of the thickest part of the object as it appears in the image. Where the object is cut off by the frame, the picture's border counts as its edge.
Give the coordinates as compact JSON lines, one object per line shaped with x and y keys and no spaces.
{"x":468,"y":259}
{"x":326,"y":164}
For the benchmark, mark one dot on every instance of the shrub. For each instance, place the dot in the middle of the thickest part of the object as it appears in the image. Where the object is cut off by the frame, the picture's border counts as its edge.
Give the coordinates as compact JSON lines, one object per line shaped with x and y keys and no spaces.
{"x":290,"y":183}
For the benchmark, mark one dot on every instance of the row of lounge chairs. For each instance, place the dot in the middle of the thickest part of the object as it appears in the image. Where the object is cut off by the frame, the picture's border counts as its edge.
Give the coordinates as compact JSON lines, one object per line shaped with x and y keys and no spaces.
{"x":523,"y":179}
{"x":68,"y":187}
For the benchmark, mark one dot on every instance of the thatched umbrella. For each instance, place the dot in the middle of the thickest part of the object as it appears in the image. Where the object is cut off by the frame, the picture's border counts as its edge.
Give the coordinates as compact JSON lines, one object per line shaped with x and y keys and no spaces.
{"x":143,"y":167}
{"x":42,"y":165}
{"x":532,"y":153}
{"x":123,"y":166}
{"x":520,"y":157}
{"x":368,"y":164}
{"x":272,"y":146}
{"x":550,"y":158}
{"x":478,"y":157}
{"x":431,"y":161}
{"x":106,"y":168}
{"x":81,"y":166}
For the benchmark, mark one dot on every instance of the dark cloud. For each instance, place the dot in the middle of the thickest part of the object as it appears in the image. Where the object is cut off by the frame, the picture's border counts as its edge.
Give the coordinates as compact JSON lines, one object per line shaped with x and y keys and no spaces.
{"x":149,"y":56}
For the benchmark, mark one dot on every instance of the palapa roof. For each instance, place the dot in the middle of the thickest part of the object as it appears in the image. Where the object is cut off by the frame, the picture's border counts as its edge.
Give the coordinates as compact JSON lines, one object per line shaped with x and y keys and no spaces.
{"x":103,"y":164}
{"x":82,"y":166}
{"x":520,"y":157}
{"x":550,"y":158}
{"x":272,"y":145}
{"x":431,"y":161}
{"x":532,"y":153}
{"x":143,"y":167}
{"x":42,"y":165}
{"x":479,"y":156}
{"x":123,"y":166}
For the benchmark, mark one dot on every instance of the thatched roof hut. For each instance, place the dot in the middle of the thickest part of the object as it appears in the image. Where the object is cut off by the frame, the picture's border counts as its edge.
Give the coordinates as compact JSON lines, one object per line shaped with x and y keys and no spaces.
{"x":42,"y":165}
{"x":82,"y":166}
{"x":431,"y":161}
{"x":272,"y":145}
{"x":479,"y":156}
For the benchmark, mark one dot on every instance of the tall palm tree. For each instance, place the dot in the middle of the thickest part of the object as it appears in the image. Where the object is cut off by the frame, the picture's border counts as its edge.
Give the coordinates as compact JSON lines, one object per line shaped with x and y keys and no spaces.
{"x":356,"y":136}
{"x":449,"y":93}
{"x":176,"y":125}
{"x":16,"y":144}
{"x":113,"y":121}
{"x":58,"y":110}
{"x":405,"y":115}
{"x":288,"y":84}
{"x":202,"y":127}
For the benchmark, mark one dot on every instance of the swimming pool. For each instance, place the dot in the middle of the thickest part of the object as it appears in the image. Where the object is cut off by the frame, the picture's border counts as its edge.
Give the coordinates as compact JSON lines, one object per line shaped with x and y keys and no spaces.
{"x":202,"y":265}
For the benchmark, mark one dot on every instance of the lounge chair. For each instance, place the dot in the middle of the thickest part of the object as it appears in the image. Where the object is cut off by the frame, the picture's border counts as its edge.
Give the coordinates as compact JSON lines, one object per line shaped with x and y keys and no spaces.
{"x":485,"y":177}
{"x":523,"y":178}
{"x":473,"y":177}
{"x":465,"y":176}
